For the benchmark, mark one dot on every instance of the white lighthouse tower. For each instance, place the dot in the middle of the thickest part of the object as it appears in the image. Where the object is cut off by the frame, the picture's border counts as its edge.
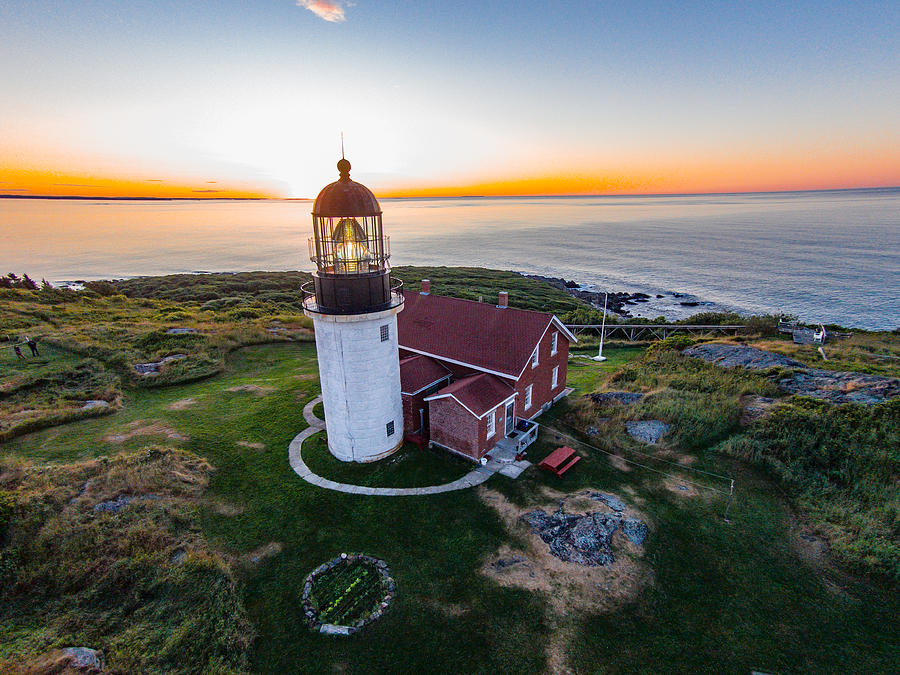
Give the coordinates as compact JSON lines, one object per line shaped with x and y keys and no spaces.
{"x":354,"y":310}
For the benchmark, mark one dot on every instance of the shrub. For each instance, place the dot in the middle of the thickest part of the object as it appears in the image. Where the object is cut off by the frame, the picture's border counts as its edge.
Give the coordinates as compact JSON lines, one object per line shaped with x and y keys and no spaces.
{"x":676,"y":343}
{"x":842,"y":463}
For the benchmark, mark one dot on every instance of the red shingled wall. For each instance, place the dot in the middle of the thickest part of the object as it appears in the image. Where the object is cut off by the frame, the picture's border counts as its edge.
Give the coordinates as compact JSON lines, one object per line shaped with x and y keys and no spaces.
{"x":542,"y":376}
{"x":455,"y":427}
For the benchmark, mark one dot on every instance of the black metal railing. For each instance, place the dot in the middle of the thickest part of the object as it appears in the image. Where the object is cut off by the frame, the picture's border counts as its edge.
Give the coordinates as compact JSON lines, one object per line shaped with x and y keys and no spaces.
{"x":310,"y":304}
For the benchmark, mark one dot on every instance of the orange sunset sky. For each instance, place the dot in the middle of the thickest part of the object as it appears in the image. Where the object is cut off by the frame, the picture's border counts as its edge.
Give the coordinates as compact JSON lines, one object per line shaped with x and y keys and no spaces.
{"x":110,"y":99}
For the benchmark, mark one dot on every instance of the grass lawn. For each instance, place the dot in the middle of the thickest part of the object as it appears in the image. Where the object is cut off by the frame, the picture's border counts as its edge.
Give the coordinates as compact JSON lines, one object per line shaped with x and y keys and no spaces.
{"x":724,"y":597}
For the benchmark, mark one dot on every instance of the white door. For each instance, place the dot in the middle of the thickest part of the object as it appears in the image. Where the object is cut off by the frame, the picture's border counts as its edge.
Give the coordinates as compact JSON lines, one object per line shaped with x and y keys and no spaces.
{"x":510,"y":417}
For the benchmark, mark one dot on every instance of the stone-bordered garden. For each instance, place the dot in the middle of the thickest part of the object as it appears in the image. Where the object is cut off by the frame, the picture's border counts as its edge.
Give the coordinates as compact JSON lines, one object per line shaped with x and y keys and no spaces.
{"x":347,"y":593}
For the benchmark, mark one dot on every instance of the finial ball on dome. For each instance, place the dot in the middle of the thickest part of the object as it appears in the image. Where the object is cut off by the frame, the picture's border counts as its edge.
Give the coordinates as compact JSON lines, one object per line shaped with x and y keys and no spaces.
{"x":343,"y":167}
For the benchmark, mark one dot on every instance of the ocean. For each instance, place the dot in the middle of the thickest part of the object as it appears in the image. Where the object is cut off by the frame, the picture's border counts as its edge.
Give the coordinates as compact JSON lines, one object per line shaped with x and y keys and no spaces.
{"x":831,"y":257}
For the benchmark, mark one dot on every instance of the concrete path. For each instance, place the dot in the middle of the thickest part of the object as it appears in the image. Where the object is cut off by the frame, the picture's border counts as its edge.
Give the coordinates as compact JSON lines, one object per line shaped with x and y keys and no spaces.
{"x":471,"y":479}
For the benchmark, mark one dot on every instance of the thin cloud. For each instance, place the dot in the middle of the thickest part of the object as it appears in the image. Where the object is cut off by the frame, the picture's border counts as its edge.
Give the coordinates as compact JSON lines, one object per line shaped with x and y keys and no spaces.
{"x":330,"y":10}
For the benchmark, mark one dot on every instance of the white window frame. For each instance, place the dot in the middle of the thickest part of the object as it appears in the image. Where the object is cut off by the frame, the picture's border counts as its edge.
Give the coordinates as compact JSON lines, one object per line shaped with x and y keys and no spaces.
{"x":528,"y":397}
{"x":491,"y":425}
{"x":535,"y":357}
{"x":554,"y":343}
{"x":555,"y":381}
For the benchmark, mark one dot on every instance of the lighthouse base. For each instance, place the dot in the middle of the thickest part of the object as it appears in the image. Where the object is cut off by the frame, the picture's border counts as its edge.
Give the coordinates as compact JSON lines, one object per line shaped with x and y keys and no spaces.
{"x":359,"y":371}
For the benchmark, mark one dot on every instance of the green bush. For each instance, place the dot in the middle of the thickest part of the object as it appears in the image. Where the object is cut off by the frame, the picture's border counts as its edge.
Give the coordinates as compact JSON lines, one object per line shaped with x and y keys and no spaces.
{"x":676,"y":343}
{"x":842,"y":463}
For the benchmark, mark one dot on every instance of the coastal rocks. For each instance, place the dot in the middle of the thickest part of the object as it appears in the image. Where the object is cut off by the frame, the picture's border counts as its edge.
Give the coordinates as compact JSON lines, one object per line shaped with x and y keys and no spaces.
{"x":585,"y":539}
{"x":647,"y":431}
{"x":636,"y":530}
{"x":85,"y":658}
{"x":615,"y":302}
{"x":731,"y":356}
{"x":90,"y":405}
{"x":616,"y":397}
{"x":611,"y":501}
{"x":153,"y":367}
{"x":827,"y":385}
{"x":841,"y":387}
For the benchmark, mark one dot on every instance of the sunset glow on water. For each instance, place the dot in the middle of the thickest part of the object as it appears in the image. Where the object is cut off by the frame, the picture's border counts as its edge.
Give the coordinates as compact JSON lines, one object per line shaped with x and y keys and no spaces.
{"x":830,"y":256}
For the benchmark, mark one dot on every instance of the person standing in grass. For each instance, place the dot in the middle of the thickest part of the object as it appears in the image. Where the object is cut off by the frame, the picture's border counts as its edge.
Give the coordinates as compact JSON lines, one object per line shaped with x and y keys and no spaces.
{"x":19,"y":352}
{"x":32,"y":345}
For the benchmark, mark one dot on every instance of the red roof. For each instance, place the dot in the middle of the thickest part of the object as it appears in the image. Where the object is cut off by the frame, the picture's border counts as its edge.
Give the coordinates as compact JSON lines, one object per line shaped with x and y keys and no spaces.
{"x":473,"y":333}
{"x":479,"y":393}
{"x":419,"y":372}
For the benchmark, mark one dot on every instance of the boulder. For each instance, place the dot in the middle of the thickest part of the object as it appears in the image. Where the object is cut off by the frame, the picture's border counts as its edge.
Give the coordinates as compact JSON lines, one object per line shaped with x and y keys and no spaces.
{"x":85,"y":658}
{"x":636,"y":530}
{"x":647,"y":431}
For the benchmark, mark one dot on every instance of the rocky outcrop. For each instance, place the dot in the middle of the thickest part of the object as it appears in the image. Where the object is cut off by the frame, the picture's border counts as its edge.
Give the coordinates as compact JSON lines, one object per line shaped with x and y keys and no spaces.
{"x":730,"y":356}
{"x":153,"y":367}
{"x":828,"y":385}
{"x":85,"y":658}
{"x":616,"y":397}
{"x":586,"y":539}
{"x":647,"y":431}
{"x":841,"y":387}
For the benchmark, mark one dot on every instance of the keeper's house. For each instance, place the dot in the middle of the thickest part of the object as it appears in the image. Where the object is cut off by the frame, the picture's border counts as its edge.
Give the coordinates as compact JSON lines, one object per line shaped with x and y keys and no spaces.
{"x":474,"y":375}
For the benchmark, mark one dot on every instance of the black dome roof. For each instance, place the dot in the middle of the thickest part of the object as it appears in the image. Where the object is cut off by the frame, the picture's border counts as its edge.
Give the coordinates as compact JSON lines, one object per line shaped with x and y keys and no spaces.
{"x":345,"y":197}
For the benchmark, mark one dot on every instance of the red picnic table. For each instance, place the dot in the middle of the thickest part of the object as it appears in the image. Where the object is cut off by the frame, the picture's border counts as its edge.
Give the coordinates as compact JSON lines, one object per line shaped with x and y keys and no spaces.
{"x":560,"y":460}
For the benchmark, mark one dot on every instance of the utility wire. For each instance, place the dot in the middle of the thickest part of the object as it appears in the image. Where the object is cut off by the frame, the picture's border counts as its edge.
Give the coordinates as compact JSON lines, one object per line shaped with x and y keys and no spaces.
{"x":729,"y":494}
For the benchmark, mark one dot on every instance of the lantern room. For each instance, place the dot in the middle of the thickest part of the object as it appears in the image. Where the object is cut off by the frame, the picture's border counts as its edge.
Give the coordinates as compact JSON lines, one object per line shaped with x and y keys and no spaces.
{"x":349,"y":249}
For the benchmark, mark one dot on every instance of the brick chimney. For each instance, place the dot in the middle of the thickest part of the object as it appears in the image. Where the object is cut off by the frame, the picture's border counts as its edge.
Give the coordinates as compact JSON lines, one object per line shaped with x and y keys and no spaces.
{"x":503,"y":299}
{"x":426,"y":287}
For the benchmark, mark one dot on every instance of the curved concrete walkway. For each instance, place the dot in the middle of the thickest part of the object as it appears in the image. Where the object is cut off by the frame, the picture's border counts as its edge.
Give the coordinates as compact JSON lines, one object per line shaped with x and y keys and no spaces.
{"x":471,"y":479}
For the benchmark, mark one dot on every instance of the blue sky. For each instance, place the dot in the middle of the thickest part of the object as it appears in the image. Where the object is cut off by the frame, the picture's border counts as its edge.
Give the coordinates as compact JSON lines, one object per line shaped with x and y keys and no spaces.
{"x":455,"y":93}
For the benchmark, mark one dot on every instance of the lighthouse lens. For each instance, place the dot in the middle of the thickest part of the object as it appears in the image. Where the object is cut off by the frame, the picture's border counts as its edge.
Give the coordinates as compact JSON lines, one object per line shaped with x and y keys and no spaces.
{"x":351,"y":253}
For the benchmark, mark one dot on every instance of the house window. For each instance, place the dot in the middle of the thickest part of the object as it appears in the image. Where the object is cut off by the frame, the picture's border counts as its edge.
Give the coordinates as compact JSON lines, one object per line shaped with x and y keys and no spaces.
{"x":385,"y":332}
{"x":534,"y":358}
{"x":554,"y":343}
{"x":555,"y":379}
{"x":389,"y":427}
{"x":528,"y":397}
{"x":490,"y":424}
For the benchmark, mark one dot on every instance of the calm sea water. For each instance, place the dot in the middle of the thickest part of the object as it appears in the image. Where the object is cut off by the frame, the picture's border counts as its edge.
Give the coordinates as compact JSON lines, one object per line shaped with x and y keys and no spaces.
{"x":825,"y":256}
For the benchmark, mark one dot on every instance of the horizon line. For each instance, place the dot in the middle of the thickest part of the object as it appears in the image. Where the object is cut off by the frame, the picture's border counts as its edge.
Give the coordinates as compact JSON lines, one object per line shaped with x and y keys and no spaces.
{"x":462,"y":196}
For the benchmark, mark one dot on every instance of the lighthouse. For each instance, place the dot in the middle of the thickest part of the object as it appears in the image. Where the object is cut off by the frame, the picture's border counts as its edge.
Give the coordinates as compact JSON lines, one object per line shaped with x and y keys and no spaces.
{"x":354,"y":307}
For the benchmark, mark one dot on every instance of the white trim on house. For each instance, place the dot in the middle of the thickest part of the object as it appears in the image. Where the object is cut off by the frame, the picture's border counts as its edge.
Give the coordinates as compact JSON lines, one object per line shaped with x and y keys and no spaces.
{"x":529,"y":397}
{"x":472,"y":412}
{"x":536,"y":355}
{"x":420,"y":390}
{"x":554,"y":382}
{"x":491,"y":425}
{"x":461,"y":363}
{"x":554,"y":343}
{"x":559,"y":324}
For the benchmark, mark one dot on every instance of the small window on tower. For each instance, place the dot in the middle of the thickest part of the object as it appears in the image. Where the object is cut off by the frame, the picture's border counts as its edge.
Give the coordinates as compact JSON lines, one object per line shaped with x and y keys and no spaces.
{"x":385,"y":334}
{"x":389,"y":427}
